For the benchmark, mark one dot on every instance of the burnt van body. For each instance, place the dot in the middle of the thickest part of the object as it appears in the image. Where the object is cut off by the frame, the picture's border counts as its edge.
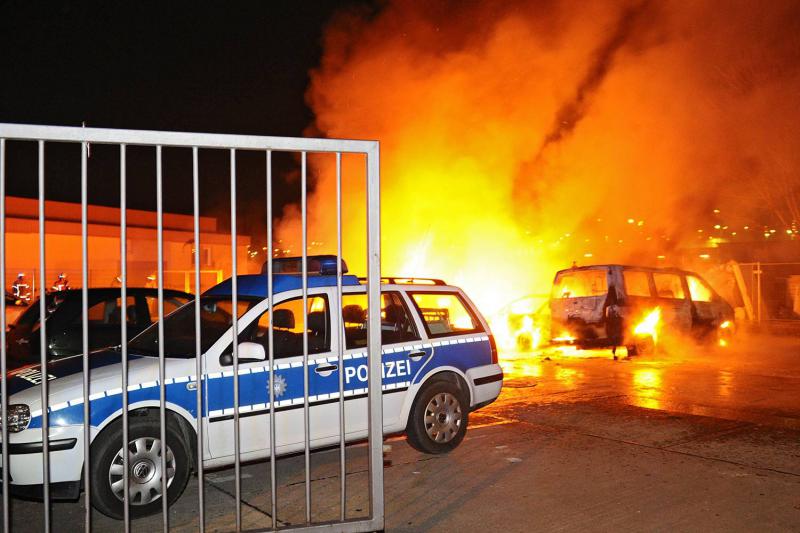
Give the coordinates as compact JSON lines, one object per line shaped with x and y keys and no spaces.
{"x":589,"y":303}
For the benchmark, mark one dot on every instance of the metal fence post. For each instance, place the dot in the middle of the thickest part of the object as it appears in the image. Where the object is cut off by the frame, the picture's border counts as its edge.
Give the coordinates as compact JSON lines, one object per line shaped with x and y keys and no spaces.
{"x":159,"y":397}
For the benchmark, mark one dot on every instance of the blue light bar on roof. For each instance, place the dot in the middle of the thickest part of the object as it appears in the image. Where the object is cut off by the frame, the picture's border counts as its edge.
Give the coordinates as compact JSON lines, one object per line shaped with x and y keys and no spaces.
{"x":316,"y":264}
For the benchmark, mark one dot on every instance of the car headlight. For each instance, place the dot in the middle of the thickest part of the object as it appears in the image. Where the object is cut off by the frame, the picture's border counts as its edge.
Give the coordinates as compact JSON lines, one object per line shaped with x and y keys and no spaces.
{"x":18,"y":417}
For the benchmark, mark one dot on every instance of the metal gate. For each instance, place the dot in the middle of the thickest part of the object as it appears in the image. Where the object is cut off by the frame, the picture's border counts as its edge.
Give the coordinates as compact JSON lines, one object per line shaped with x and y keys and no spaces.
{"x":12,"y":416}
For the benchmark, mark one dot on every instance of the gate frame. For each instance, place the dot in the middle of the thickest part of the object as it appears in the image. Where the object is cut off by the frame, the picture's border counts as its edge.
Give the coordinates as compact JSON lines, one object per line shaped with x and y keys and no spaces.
{"x":194,"y":141}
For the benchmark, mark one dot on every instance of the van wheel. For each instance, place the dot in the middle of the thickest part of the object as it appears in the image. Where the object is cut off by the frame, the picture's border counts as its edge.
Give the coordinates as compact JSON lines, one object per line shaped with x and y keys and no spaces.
{"x":642,"y":347}
{"x":438,"y":419}
{"x":144,"y":468}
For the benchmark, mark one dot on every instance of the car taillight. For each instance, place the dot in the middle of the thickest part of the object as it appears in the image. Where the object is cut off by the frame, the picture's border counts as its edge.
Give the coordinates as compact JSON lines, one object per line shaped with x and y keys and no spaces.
{"x":494,"y":349}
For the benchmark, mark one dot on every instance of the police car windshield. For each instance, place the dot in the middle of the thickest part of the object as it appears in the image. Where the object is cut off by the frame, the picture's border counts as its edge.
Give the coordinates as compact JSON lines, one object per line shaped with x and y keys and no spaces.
{"x":179,"y":328}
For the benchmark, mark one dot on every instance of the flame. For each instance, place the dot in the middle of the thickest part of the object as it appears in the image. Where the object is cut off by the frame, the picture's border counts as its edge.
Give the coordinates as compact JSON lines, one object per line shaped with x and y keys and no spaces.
{"x":512,"y":338}
{"x":565,"y":337}
{"x":512,"y":133}
{"x":650,"y":326}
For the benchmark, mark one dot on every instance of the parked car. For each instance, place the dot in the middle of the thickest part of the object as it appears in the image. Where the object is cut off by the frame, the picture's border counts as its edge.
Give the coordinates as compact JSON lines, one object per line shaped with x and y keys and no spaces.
{"x":439,"y":363}
{"x":63,"y":321}
{"x":585,"y":301}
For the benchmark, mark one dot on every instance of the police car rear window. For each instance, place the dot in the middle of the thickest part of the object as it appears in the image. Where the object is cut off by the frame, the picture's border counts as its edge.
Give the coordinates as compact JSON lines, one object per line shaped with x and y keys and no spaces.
{"x":445,"y":314}
{"x":396,"y":324}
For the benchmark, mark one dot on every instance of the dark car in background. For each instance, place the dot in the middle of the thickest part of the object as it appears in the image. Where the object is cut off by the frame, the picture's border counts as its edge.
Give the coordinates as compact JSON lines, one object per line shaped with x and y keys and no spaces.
{"x":63,"y":322}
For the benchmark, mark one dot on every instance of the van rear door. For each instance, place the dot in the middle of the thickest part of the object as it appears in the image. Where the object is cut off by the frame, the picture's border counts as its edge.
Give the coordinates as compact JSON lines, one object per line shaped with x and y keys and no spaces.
{"x":578,"y":298}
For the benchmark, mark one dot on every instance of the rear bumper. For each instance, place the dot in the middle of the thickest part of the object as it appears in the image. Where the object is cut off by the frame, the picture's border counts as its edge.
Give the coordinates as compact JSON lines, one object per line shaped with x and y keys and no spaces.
{"x":486,"y":383}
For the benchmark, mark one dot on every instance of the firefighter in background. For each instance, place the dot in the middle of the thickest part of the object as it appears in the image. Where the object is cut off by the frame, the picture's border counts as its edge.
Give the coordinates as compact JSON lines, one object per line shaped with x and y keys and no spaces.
{"x":21,"y":290}
{"x":61,"y":283}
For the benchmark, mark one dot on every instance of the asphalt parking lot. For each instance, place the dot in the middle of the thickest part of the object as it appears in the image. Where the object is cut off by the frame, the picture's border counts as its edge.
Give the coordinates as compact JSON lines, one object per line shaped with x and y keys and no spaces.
{"x":690,"y":440}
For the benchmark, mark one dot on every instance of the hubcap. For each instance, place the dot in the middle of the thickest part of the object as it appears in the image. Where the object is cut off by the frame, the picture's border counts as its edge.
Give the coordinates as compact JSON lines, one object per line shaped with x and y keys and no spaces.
{"x":443,"y":417}
{"x":144,"y":475}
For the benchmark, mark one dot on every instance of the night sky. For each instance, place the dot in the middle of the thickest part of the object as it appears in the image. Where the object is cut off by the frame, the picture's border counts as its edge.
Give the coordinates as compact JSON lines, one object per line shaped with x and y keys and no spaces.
{"x":222,"y":68}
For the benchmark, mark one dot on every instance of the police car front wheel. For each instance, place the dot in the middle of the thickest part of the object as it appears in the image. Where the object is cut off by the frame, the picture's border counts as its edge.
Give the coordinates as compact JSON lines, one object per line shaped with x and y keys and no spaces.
{"x":438,"y":419}
{"x":145,"y":450}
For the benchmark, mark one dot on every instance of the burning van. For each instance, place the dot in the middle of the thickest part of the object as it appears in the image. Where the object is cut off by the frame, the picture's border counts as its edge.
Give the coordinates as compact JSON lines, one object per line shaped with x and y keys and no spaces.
{"x":617,"y":305}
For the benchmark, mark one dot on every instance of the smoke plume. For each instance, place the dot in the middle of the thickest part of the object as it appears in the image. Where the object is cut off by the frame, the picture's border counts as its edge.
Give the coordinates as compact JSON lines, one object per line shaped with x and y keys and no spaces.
{"x":517,"y":137}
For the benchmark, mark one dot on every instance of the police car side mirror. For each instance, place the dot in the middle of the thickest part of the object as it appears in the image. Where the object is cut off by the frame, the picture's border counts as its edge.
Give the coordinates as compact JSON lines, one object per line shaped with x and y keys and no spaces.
{"x":249,"y":352}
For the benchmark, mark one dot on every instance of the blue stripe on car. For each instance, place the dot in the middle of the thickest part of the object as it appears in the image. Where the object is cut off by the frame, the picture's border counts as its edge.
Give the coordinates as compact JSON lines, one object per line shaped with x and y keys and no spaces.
{"x":399,"y":370}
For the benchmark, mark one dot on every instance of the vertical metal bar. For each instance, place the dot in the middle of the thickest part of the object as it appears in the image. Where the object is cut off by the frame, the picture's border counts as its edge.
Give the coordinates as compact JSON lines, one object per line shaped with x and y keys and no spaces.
{"x":3,"y":355}
{"x":234,"y":286}
{"x":758,"y":279}
{"x":306,"y":413}
{"x":342,"y":463}
{"x":123,"y":264}
{"x":43,"y":350}
{"x":197,"y":345}
{"x":374,"y":387}
{"x":87,"y":435}
{"x":162,"y":403}
{"x":270,"y":301}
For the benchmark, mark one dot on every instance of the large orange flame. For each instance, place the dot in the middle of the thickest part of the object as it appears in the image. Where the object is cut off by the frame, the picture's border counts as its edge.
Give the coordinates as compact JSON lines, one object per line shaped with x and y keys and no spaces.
{"x":650,"y":326}
{"x":519,"y":136}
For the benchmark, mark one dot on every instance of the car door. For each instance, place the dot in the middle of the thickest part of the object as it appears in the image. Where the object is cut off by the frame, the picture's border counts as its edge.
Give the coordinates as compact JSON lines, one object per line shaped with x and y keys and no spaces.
{"x":639,"y":298}
{"x":577,"y":301}
{"x":672,"y":299}
{"x":403,"y":353}
{"x":289,"y":324}
{"x":707,"y":312}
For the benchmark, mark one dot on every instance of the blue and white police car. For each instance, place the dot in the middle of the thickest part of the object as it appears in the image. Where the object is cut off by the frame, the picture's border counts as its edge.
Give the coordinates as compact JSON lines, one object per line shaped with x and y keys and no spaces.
{"x":439,"y":363}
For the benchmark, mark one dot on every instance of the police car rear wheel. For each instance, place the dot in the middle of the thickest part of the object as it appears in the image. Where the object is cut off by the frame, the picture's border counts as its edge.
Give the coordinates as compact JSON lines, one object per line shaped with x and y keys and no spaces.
{"x":144,"y":468}
{"x":438,"y":419}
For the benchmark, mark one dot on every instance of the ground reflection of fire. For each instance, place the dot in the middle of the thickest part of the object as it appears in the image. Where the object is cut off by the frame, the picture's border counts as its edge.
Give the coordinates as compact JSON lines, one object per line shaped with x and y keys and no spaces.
{"x":646,"y":387}
{"x":725,"y":382}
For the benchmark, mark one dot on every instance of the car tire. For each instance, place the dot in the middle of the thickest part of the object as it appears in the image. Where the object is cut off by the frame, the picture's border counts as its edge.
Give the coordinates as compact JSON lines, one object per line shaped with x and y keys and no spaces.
{"x":438,"y":419}
{"x":144,"y":467}
{"x":642,"y":347}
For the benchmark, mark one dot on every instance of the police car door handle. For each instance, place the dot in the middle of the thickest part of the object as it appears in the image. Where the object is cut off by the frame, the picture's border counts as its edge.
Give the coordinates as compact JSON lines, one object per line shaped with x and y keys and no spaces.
{"x":416,"y":354}
{"x":325,"y":369}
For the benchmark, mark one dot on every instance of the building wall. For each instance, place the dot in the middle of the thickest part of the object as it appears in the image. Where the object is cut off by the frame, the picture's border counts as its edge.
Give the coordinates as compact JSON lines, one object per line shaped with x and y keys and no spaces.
{"x":63,"y":247}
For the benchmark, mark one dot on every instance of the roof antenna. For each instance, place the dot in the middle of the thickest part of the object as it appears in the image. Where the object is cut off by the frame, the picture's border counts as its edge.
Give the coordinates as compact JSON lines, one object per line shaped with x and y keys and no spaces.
{"x":88,"y":145}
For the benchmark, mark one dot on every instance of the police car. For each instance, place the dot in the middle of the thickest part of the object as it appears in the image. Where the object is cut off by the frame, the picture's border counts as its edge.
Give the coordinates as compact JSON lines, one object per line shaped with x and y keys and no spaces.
{"x":439,"y":363}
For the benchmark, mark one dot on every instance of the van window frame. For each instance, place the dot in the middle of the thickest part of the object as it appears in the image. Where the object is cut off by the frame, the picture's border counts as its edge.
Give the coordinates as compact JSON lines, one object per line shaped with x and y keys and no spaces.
{"x":651,"y":286}
{"x":682,"y":282}
{"x":559,"y":276}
